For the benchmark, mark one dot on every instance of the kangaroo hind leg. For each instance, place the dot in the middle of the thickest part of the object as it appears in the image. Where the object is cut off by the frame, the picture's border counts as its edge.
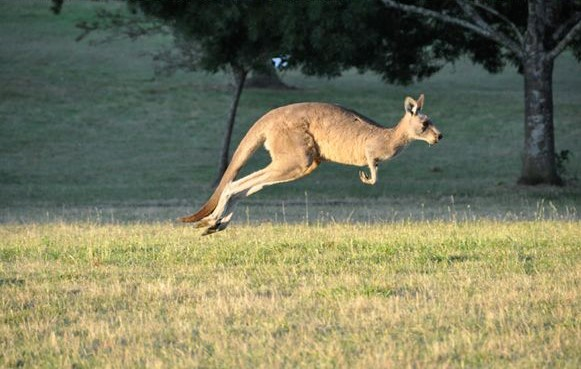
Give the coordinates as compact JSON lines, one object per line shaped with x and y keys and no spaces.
{"x":287,"y":165}
{"x":227,"y":201}
{"x":245,"y":187}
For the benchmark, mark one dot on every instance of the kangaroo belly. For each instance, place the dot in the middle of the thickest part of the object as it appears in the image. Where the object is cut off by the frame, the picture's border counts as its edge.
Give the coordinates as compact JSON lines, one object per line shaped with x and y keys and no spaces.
{"x":341,"y":148}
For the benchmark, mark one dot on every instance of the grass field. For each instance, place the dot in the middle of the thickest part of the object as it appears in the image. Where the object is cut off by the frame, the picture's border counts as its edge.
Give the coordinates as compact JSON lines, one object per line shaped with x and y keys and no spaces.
{"x":445,"y":262}
{"x":431,"y":294}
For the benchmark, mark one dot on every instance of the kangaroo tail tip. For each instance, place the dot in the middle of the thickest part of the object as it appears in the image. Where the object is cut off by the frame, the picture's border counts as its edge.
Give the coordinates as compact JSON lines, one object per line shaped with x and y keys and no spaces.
{"x":189,"y":219}
{"x":201,"y":214}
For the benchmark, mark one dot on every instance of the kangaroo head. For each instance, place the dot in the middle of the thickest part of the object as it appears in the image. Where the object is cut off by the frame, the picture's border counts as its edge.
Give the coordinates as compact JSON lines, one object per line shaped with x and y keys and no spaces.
{"x":418,"y":125}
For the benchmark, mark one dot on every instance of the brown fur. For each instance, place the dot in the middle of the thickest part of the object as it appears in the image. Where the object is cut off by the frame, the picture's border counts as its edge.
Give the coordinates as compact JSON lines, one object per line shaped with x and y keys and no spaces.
{"x":301,"y":136}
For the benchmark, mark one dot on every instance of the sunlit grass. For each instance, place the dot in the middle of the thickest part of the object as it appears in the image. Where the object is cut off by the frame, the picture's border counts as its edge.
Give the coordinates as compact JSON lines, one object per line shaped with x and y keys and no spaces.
{"x":406,"y":294}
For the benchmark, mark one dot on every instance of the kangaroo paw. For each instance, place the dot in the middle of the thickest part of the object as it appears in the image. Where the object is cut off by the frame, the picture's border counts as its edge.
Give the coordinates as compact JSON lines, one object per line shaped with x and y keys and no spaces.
{"x":365,"y":178}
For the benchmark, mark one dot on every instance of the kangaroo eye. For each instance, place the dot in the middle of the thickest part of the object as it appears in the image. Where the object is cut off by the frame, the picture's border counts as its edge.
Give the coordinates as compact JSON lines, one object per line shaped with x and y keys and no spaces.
{"x":425,"y":125}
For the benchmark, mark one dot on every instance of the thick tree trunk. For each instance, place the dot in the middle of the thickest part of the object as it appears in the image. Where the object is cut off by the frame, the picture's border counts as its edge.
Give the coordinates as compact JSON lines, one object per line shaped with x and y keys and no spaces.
{"x":538,"y":160}
{"x":539,"y":166}
{"x":239,"y":79}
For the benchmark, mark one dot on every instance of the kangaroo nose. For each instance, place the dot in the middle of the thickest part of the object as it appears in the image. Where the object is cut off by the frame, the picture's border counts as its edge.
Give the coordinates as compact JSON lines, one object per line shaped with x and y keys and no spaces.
{"x":440,"y":136}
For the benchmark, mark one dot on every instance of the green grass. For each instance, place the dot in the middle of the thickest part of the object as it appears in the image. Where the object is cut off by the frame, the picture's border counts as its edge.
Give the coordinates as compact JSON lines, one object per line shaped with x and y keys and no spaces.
{"x":413,"y":294}
{"x":88,"y":126}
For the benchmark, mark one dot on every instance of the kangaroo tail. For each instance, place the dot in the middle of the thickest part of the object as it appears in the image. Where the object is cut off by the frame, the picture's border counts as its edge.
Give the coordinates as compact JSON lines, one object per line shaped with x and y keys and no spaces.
{"x":249,"y":144}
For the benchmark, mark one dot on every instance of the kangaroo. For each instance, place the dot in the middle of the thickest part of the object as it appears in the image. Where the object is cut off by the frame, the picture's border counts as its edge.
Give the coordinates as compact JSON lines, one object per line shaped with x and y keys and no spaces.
{"x":301,"y":136}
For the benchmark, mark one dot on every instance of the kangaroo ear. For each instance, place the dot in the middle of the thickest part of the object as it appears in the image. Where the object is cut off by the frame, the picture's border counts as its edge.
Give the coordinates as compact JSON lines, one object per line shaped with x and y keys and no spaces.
{"x":420,"y":102}
{"x":410,"y":105}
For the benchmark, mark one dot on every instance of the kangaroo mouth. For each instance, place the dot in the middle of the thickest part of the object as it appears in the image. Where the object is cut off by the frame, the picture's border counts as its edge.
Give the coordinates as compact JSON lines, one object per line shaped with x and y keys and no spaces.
{"x":435,"y":140}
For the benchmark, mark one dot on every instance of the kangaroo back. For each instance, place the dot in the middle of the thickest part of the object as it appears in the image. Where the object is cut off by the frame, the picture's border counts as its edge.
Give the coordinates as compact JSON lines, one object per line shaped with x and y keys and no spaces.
{"x":249,"y":144}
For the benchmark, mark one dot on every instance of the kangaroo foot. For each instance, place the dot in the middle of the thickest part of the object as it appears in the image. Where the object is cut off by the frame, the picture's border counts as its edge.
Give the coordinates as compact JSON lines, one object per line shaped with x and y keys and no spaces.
{"x":214,"y":225}
{"x":206,"y":222}
{"x":215,"y":228}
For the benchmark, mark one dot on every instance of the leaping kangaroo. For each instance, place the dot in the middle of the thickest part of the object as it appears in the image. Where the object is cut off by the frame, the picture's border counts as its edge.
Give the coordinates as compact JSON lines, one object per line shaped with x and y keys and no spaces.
{"x":301,"y":136}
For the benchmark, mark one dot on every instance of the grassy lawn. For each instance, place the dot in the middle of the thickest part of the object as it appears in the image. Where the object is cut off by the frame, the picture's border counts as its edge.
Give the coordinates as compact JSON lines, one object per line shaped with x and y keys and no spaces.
{"x":414,"y":294}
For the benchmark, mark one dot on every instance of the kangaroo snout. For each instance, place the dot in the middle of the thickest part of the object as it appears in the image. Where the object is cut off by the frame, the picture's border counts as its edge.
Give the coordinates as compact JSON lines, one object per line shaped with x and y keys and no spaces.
{"x":436,"y":136}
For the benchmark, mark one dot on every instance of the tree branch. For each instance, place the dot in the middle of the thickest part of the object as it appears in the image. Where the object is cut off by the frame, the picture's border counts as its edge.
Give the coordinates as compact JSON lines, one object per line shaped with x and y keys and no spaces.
{"x":479,"y":29}
{"x":120,"y":26}
{"x":495,"y":34}
{"x":566,"y":26}
{"x":436,"y":15}
{"x":568,"y":37}
{"x":494,"y":12}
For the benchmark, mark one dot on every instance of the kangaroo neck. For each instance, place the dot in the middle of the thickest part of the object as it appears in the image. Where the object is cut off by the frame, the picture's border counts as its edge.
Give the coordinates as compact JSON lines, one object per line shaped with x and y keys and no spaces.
{"x":398,"y":137}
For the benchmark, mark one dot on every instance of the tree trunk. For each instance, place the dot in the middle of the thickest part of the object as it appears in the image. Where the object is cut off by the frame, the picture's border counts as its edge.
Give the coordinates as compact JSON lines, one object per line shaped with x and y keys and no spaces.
{"x":239,"y":79}
{"x":539,"y":166}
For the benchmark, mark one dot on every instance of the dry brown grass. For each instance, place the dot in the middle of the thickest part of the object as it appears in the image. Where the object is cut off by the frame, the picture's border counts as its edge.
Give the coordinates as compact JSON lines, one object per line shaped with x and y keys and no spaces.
{"x":412,"y":294}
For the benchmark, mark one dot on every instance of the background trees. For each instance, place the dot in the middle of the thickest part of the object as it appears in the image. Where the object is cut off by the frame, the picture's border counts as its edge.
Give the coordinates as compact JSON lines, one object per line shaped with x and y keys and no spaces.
{"x":531,"y":37}
{"x":402,"y":42}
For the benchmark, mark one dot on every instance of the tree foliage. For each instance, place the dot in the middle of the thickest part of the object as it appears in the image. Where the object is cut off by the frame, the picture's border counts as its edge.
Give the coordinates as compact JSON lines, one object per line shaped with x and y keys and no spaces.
{"x":327,"y":37}
{"x":239,"y":34}
{"x":497,"y":30}
{"x":320,"y":38}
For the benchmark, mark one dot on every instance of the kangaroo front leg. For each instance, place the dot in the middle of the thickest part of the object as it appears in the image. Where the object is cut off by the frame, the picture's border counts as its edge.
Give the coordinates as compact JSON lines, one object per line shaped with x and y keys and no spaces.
{"x":370,"y":180}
